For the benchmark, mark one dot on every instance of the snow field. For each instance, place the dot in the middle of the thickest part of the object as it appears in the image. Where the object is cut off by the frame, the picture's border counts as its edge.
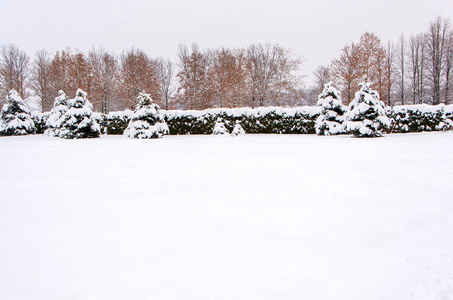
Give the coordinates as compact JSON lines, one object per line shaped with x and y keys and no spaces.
{"x":207,"y":217}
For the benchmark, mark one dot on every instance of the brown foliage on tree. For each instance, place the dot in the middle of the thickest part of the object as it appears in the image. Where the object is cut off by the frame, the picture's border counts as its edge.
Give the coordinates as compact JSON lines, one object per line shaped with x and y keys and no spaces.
{"x":366,"y":58}
{"x":138,"y":74}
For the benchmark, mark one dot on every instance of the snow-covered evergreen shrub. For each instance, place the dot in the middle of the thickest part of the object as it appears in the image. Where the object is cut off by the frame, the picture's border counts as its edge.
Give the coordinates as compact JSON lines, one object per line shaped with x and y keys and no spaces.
{"x":366,"y":116}
{"x":238,"y":130}
{"x":146,"y":122}
{"x":15,"y":116}
{"x":77,"y":121}
{"x":40,"y":120}
{"x":219,"y":128}
{"x":116,"y":122}
{"x":60,"y":106}
{"x":330,"y":121}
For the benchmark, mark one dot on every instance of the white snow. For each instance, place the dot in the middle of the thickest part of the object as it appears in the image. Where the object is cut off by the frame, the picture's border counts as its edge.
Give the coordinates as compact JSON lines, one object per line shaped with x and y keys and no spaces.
{"x":197,"y":217}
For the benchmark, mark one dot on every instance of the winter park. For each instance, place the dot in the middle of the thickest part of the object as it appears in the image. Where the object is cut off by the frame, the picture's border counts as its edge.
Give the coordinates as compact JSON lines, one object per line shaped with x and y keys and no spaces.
{"x":226,"y":173}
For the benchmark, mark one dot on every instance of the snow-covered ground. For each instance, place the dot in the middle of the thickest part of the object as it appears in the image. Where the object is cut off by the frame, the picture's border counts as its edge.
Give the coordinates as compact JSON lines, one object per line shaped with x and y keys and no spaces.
{"x":206,"y":217}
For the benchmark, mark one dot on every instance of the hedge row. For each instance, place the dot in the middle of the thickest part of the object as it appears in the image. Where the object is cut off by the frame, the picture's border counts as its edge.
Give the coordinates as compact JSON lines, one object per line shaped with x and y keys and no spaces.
{"x":418,"y":118}
{"x":301,"y":120}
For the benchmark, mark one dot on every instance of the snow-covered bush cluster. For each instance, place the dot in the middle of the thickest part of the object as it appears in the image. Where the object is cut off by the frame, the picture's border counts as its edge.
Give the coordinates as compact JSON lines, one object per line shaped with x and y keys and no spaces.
{"x":15,"y":116}
{"x":72,"y":118}
{"x":146,"y":121}
{"x":330,"y":121}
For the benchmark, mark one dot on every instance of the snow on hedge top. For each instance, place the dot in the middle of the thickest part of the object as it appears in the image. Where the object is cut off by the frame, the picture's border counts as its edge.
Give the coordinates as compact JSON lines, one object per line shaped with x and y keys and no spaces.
{"x":423,"y":108}
{"x":245,"y":111}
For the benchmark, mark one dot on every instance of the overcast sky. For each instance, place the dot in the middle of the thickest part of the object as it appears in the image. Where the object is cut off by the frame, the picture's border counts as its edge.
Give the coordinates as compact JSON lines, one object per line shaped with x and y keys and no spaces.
{"x":316,"y":30}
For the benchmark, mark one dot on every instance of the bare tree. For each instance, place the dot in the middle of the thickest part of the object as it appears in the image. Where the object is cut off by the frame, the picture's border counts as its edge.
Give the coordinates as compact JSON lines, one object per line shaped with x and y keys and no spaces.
{"x":41,"y":79}
{"x":105,"y":73}
{"x":269,"y":70}
{"x":165,"y":75}
{"x":390,"y":71}
{"x":416,"y":67}
{"x":436,"y":40}
{"x":14,"y":68}
{"x":322,"y":77}
{"x":401,"y":68}
{"x":449,"y":69}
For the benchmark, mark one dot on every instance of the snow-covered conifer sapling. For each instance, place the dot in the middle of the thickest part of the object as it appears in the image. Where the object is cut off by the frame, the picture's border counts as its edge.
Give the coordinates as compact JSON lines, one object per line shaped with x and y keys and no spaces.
{"x":146,"y":121}
{"x":15,"y":116}
{"x":219,"y":127}
{"x":330,"y":121}
{"x":60,"y":107}
{"x":78,"y":120}
{"x":366,"y":116}
{"x":238,"y":130}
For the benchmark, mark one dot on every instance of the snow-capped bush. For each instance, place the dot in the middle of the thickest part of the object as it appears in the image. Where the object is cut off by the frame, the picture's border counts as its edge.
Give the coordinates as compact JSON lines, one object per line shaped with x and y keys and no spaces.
{"x":146,"y":121}
{"x":60,"y":106}
{"x":77,"y":121}
{"x":15,"y":116}
{"x":219,"y":128}
{"x":330,"y":121}
{"x":116,"y":122}
{"x":366,"y":117}
{"x":40,"y":120}
{"x":238,"y":130}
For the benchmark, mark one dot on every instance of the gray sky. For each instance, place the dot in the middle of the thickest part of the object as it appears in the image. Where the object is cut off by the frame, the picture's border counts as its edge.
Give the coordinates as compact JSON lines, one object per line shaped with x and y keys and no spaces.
{"x":315,"y":30}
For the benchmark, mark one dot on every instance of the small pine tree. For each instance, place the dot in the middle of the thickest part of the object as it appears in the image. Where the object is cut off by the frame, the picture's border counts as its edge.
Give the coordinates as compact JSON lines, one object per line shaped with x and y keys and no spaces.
{"x":15,"y":116}
{"x":366,"y":117}
{"x":330,"y":121}
{"x":238,"y":130}
{"x":78,"y":121}
{"x":60,"y":106}
{"x":146,"y":122}
{"x":219,"y":128}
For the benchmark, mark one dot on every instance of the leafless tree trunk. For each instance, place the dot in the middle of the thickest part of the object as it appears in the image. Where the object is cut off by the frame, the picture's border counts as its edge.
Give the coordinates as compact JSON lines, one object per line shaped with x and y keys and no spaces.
{"x":165,"y":74}
{"x":437,"y":37}
{"x":401,"y":68}
{"x":416,"y":62}
{"x":449,"y":69}
{"x":322,"y":77}
{"x":41,"y":79}
{"x":390,"y":70}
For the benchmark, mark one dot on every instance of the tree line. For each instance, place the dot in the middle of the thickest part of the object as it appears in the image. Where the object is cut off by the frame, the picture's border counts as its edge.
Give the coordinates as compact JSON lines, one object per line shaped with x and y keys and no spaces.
{"x":258,"y":75}
{"x":414,"y":70}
